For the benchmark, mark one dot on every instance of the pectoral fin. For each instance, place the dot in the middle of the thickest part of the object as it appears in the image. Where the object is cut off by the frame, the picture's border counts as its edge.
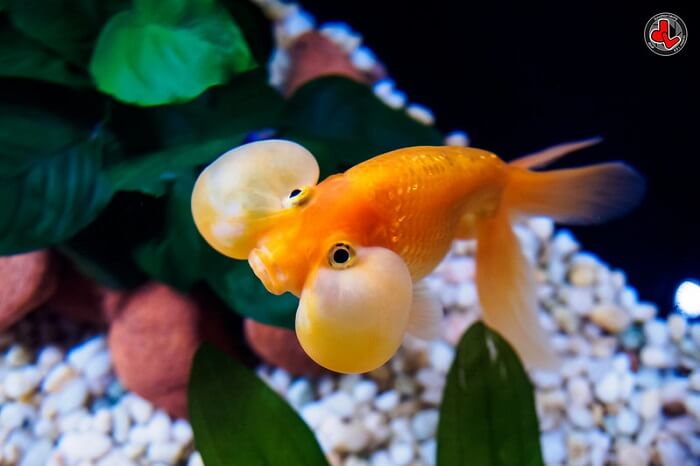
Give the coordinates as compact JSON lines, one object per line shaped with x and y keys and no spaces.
{"x":426,"y":313}
{"x":353,"y":320}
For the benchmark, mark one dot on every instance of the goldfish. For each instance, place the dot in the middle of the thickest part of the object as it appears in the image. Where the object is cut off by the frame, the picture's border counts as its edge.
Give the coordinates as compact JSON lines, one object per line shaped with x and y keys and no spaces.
{"x":355,"y":247}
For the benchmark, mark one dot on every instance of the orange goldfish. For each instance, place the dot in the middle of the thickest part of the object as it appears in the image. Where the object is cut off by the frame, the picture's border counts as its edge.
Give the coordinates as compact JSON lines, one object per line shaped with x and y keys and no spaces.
{"x":354,"y":247}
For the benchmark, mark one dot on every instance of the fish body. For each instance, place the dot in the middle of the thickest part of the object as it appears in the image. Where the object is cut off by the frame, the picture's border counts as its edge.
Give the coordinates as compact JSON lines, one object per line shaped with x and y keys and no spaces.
{"x":355,"y":246}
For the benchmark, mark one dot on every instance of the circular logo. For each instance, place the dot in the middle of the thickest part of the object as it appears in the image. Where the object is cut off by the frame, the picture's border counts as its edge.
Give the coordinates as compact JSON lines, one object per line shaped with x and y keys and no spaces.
{"x":665,"y":34}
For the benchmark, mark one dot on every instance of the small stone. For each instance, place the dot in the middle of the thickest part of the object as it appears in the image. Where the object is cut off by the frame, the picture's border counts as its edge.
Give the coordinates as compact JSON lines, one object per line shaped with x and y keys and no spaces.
{"x":341,"y":404}
{"x":629,"y":454}
{"x":102,"y":421}
{"x":695,"y":334}
{"x":58,"y":377}
{"x":401,"y":453}
{"x":611,"y":318}
{"x":134,"y":450}
{"x":364,"y":391}
{"x":643,"y":312}
{"x":342,"y":35}
{"x":139,"y":409}
{"x":441,"y":355}
{"x":17,"y":356}
{"x":45,"y":428}
{"x":353,"y":438}
{"x":428,"y":452}
{"x":363,"y":59}
{"x":49,"y":356}
{"x":84,"y":445}
{"x":457,"y":139}
{"x":577,"y":448}
{"x":13,"y":415}
{"x":381,"y":458}
{"x":580,"y":300}
{"x":671,"y":453}
{"x":387,"y":401}
{"x":38,"y":454}
{"x":375,"y":424}
{"x":401,"y":429}
{"x":424,"y":424}
{"x":553,"y":447}
{"x":79,"y":356}
{"x":600,"y":444}
{"x":120,"y":423}
{"x":195,"y":459}
{"x":546,"y":379}
{"x":656,"y":333}
{"x":72,"y":396}
{"x":115,"y":458}
{"x":677,"y":326}
{"x":650,"y":404}
{"x":97,"y":371}
{"x":138,"y":435}
{"x":694,"y":380}
{"x":564,"y":243}
{"x":654,"y":356}
{"x":159,"y":427}
{"x":10,"y":454}
{"x":566,"y":319}
{"x":582,"y":274}
{"x":627,"y":422}
{"x":167,"y":452}
{"x":314,"y":413}
{"x":20,"y":383}
{"x":182,"y":432}
{"x":580,"y":416}
{"x":579,"y":391}
{"x":280,"y":380}
{"x":607,"y":389}
{"x":421,"y":114}
{"x":299,"y":393}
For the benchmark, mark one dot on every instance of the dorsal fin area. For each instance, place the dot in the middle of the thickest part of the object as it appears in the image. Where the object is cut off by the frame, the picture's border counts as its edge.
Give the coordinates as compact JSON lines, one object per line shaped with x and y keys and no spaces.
{"x":237,"y":197}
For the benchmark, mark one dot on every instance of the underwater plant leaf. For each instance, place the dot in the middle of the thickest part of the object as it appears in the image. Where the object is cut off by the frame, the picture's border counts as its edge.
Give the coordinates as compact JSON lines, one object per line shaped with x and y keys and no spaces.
{"x":240,"y":421}
{"x":53,"y":198}
{"x":488,"y":416}
{"x":343,"y":123}
{"x":255,"y":26}
{"x":162,"y":52}
{"x":21,"y":57}
{"x":67,"y":27}
{"x":236,"y":284}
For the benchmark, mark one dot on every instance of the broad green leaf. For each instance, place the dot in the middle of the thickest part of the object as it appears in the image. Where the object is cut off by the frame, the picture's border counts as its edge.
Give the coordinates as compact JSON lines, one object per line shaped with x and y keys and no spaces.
{"x":239,"y":421}
{"x":163,"y":52}
{"x":21,"y":57}
{"x":344,"y":123}
{"x":52,"y":199}
{"x":68,"y":27}
{"x":487,"y":417}
{"x":236,"y":284}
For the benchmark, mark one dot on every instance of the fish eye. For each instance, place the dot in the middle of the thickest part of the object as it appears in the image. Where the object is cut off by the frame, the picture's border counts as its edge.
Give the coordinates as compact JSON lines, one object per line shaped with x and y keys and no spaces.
{"x":297,"y":196}
{"x":341,"y":256}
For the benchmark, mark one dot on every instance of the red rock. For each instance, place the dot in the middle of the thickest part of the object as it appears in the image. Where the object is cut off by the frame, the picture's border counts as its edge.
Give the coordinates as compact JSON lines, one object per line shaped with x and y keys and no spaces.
{"x":81,"y":299}
{"x":26,"y":282}
{"x":280,"y":347}
{"x":153,"y":340}
{"x":313,"y":55}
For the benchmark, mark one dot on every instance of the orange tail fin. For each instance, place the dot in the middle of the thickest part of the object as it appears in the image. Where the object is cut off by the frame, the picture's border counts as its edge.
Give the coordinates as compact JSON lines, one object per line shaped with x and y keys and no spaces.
{"x":577,"y":196}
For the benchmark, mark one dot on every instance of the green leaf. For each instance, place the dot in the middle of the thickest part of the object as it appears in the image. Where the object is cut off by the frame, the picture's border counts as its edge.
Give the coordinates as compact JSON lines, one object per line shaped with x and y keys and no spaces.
{"x":21,"y":57}
{"x":170,"y":51}
{"x":343,"y":123}
{"x":53,"y":197}
{"x":236,"y":284}
{"x":487,"y":417}
{"x":255,"y":27}
{"x":68,"y":27}
{"x":239,"y":421}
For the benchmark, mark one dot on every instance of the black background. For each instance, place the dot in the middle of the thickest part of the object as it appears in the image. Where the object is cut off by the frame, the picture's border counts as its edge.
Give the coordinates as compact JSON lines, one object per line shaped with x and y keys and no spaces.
{"x":519,"y":77}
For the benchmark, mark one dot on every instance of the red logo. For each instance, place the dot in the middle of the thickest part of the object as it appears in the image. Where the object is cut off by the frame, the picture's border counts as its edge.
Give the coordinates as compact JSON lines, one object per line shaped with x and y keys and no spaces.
{"x":665,"y":34}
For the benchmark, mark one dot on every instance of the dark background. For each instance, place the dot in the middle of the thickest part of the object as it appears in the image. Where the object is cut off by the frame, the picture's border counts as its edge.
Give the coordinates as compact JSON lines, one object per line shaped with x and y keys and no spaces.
{"x":519,"y":77}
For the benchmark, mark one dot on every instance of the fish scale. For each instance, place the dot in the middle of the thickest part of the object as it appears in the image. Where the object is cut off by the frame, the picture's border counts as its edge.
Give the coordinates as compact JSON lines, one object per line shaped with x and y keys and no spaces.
{"x":422,"y":194}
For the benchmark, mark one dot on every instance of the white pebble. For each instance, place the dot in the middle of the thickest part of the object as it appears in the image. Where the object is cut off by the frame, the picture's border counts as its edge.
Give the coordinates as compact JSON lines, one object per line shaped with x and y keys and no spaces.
{"x":140,"y":409}
{"x":314,"y":413}
{"x":579,"y":391}
{"x":375,"y":424}
{"x":121,"y":423}
{"x":138,"y":435}
{"x":607,"y":389}
{"x":195,"y":459}
{"x":600,"y":444}
{"x":387,"y":401}
{"x":553,"y":447}
{"x":115,"y":458}
{"x":72,"y":396}
{"x":629,"y":454}
{"x":457,"y":139}
{"x":564,"y":243}
{"x":363,"y":59}
{"x":627,"y":422}
{"x":671,"y":452}
{"x":80,"y":355}
{"x":466,"y":295}
{"x":167,"y":452}
{"x":45,"y":428}
{"x":653,"y":356}
{"x":49,"y":356}
{"x":611,"y":318}
{"x":292,"y":26}
{"x":134,"y":450}
{"x":182,"y":432}
{"x":441,"y":355}
{"x":340,"y":403}
{"x":421,"y":114}
{"x":280,"y":380}
{"x":396,"y":99}
{"x":381,"y":458}
{"x":677,"y":326}
{"x":694,"y":380}
{"x":20,"y":383}
{"x":10,"y":453}
{"x":58,"y":376}
{"x":580,"y":300}
{"x":401,"y":453}
{"x":102,"y":421}
{"x":643,"y":312}
{"x":401,"y":429}
{"x":428,"y":452}
{"x":580,"y":416}
{"x":424,"y":423}
{"x":299,"y":393}
{"x":97,"y":371}
{"x":650,"y":404}
{"x":84,"y":445}
{"x":17,"y":356}
{"x":364,"y":391}
{"x":546,"y":379}
{"x":38,"y":454}
{"x":13,"y":415}
{"x":158,"y":427}
{"x":342,"y":35}
{"x":383,"y":88}
{"x":656,"y":332}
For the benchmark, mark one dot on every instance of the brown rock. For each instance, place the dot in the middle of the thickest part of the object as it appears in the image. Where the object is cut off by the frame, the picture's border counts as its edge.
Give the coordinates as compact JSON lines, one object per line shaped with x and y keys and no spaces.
{"x":81,"y":299}
{"x":280,"y":347}
{"x":313,"y":55}
{"x":26,"y":282}
{"x":153,"y":340}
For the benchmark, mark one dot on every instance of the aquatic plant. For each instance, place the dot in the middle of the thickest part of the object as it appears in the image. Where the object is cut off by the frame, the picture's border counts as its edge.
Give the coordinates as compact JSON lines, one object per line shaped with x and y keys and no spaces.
{"x":487,"y":417}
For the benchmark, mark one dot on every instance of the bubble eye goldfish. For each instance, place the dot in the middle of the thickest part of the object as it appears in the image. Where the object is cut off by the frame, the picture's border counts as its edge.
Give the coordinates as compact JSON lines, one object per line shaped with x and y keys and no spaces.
{"x":355,"y":246}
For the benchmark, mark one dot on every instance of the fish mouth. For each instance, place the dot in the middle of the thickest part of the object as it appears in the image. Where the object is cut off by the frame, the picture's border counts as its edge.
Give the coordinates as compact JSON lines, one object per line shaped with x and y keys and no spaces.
{"x":263,"y":266}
